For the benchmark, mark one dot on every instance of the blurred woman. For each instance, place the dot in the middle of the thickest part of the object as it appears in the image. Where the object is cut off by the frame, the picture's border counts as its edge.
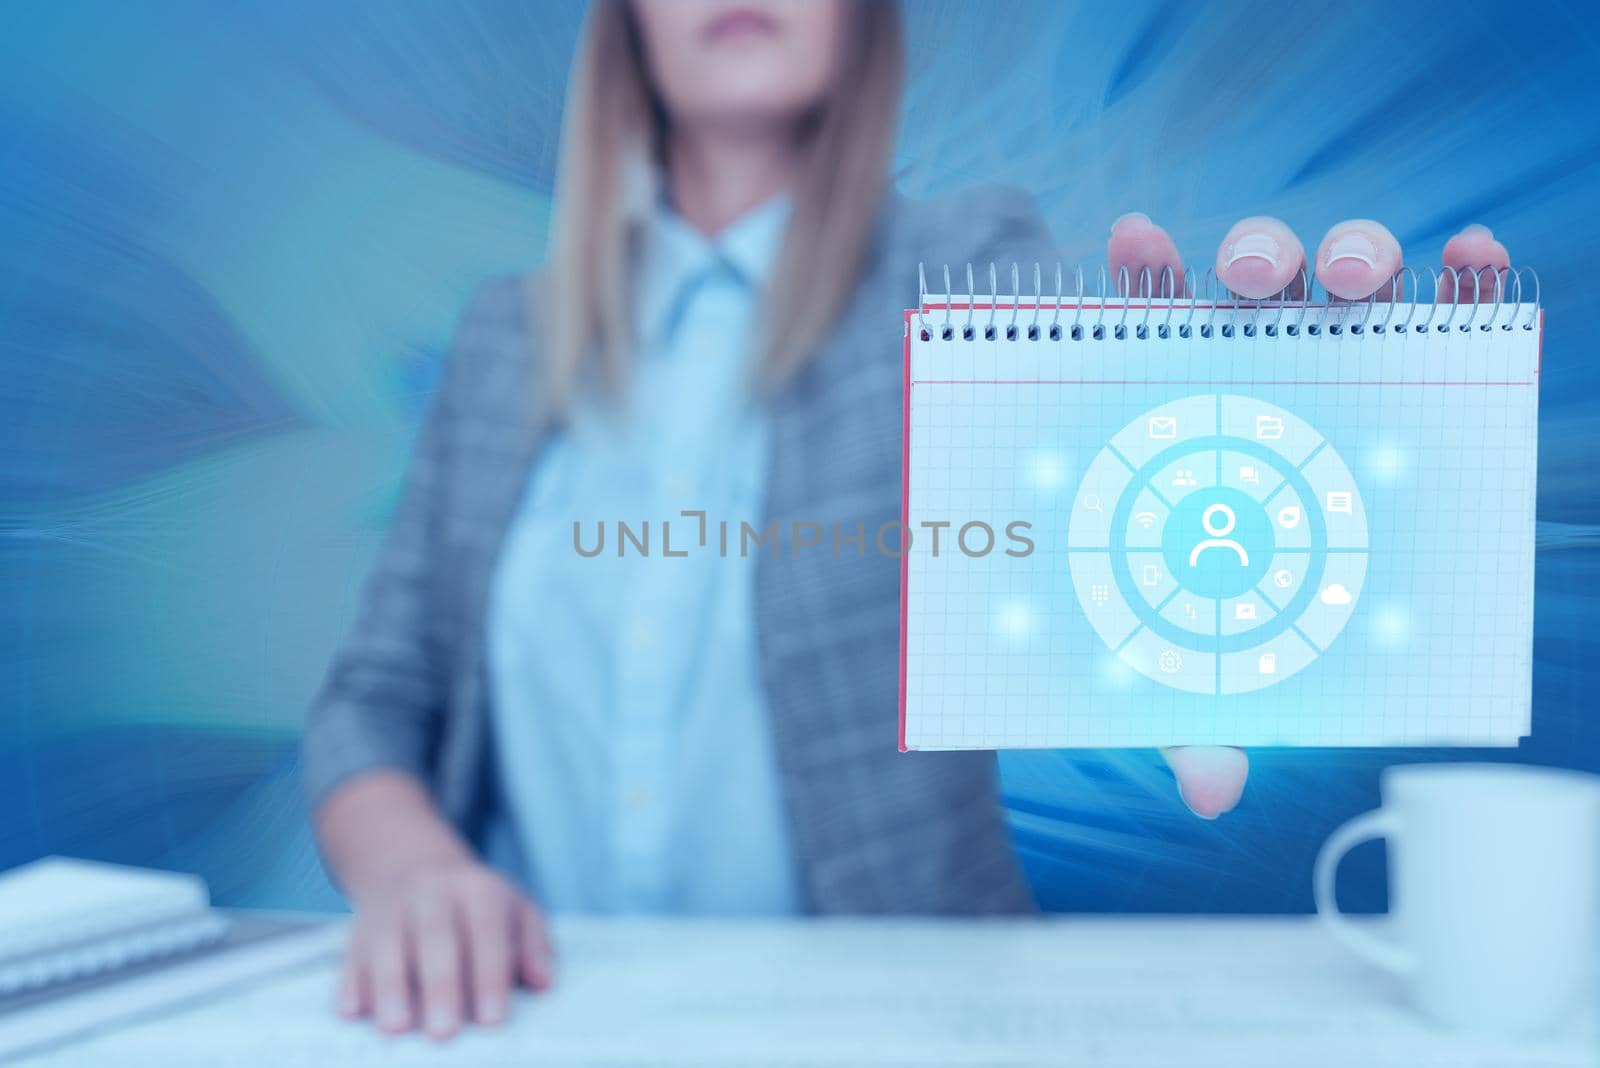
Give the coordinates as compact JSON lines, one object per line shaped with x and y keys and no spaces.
{"x":517,"y":719}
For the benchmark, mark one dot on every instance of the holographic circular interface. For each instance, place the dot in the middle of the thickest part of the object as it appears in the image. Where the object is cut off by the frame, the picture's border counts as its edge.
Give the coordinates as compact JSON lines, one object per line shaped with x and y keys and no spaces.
{"x":1218,"y":544}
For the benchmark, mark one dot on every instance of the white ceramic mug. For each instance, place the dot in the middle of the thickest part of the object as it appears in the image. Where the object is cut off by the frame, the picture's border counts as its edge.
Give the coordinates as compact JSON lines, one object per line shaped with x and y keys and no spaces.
{"x":1494,"y":891}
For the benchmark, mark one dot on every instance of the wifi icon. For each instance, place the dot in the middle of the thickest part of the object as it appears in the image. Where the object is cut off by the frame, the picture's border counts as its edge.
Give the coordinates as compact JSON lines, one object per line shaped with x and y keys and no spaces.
{"x":1146,"y":520}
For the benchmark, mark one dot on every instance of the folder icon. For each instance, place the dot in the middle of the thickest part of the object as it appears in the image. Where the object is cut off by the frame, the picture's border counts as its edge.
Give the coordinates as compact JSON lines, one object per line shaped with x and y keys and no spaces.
{"x":1269,"y":427}
{"x":1163,"y":426}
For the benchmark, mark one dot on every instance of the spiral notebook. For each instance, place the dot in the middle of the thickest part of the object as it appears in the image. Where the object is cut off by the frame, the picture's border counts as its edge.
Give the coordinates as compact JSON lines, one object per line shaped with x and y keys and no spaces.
{"x":62,"y":919}
{"x":1200,"y":520}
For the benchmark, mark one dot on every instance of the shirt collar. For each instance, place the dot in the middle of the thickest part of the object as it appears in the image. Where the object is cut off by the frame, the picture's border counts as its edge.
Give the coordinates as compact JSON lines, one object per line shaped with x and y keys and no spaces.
{"x":675,"y":256}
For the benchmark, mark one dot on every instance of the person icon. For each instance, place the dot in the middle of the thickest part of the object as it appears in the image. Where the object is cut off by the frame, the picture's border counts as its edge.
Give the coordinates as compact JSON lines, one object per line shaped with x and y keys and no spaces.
{"x":1218,"y":538}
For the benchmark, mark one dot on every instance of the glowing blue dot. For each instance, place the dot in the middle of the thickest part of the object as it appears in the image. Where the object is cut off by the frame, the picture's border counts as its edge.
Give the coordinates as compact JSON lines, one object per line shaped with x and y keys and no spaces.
{"x":1047,"y":471}
{"x":1386,"y":464}
{"x":1391,"y":626}
{"x":1015,"y":620}
{"x":1117,"y":673}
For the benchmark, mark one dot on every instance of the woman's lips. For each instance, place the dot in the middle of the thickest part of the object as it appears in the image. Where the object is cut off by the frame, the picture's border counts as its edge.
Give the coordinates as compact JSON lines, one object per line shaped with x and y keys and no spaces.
{"x":740,"y":23}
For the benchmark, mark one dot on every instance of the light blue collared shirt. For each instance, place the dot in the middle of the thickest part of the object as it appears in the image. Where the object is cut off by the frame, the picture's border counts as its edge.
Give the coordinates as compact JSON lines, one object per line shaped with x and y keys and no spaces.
{"x":632,"y":734}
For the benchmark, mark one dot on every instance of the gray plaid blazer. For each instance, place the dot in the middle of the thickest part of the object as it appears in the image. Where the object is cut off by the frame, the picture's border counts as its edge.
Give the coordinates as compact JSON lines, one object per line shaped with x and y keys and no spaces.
{"x":875,"y":830}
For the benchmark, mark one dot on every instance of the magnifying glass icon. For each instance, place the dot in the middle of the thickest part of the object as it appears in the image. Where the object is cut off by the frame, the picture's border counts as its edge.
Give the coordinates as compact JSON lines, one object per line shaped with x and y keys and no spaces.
{"x":1091,"y":502}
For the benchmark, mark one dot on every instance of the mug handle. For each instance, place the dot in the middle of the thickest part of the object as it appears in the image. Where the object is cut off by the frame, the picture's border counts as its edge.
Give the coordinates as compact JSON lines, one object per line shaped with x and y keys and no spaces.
{"x":1380,"y":951}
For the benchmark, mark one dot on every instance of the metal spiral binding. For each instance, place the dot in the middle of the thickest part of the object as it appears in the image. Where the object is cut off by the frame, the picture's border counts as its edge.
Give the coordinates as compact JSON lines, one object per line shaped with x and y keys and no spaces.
{"x":1163,"y":293}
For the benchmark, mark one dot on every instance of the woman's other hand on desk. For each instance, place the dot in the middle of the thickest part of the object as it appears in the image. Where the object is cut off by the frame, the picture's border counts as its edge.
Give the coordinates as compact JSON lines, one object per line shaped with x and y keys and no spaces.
{"x":441,"y":947}
{"x":1260,"y":257}
{"x":439,"y":939}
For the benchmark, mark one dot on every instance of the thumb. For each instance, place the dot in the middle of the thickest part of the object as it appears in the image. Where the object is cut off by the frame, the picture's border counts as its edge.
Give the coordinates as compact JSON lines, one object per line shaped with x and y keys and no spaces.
{"x":1210,"y":777}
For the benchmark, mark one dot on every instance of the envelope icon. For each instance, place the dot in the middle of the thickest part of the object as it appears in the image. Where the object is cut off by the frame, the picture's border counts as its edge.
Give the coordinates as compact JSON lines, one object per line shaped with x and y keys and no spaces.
{"x":1163,"y":426}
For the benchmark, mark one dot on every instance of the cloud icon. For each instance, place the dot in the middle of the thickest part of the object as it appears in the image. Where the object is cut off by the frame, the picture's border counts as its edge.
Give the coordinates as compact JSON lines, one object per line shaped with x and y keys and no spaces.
{"x":1335,"y":593}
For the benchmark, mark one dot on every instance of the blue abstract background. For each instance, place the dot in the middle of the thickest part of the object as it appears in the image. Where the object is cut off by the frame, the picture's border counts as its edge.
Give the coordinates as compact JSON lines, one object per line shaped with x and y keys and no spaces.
{"x":233,"y":239}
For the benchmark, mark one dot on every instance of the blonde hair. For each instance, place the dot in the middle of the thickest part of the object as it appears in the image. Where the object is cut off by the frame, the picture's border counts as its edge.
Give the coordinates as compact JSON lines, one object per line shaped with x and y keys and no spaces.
{"x":614,"y":134}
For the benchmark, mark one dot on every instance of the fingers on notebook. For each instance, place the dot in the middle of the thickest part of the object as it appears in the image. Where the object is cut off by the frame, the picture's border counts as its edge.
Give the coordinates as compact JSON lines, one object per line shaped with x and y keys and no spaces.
{"x":1261,"y":257}
{"x":1476,"y":258}
{"x":1143,"y":259}
{"x":1210,"y":778}
{"x":1358,"y":258}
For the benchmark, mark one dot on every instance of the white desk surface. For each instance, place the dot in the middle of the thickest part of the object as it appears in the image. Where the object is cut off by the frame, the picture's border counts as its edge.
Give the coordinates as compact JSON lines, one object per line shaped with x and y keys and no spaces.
{"x":1074,"y":991}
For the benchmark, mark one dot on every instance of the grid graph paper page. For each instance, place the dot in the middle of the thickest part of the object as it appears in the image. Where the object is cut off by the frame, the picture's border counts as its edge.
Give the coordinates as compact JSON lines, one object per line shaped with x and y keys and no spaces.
{"x":1323,"y":539}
